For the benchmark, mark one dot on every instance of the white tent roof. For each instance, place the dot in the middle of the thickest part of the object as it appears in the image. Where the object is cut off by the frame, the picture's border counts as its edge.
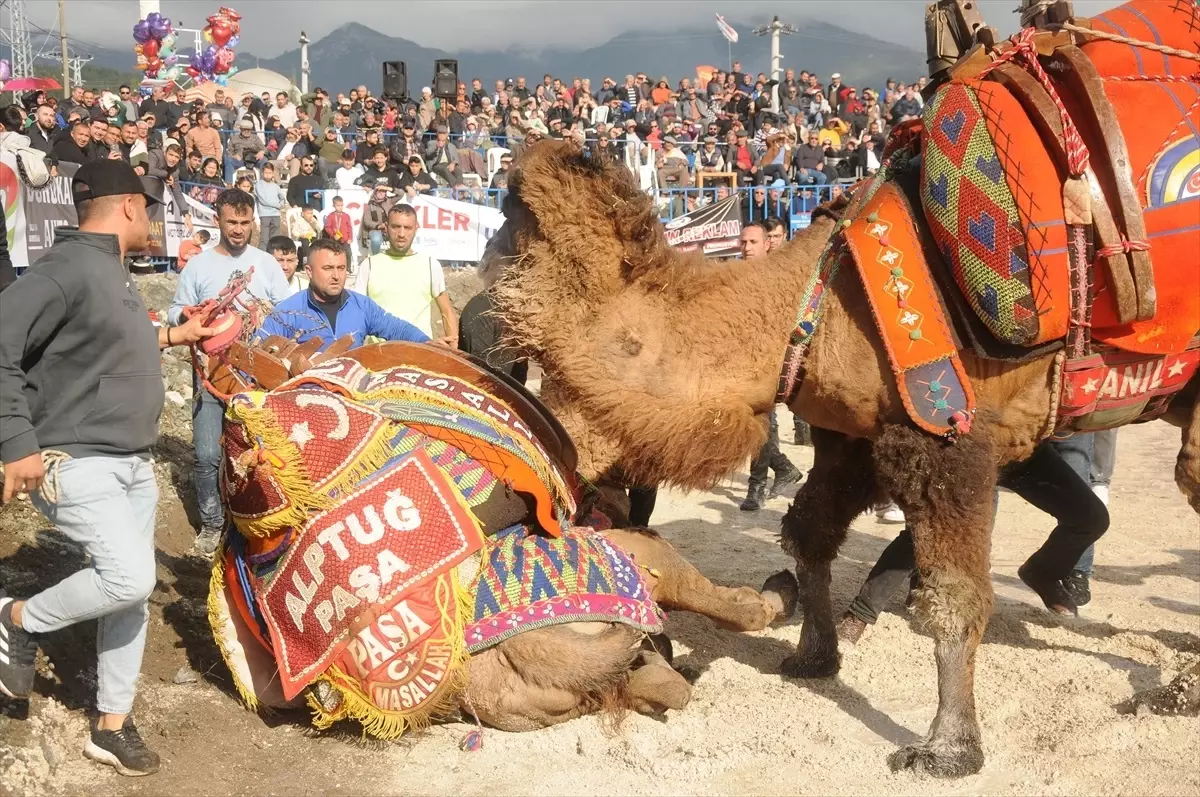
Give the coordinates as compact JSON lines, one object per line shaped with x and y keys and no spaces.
{"x":246,"y":81}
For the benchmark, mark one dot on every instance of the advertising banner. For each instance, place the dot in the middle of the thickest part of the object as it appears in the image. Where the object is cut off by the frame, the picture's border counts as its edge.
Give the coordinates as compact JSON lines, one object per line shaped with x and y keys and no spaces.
{"x":714,"y":229}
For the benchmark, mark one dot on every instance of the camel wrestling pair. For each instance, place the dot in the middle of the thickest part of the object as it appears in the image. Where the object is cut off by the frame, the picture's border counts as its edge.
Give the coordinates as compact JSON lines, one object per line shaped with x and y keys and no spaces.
{"x":410,"y":535}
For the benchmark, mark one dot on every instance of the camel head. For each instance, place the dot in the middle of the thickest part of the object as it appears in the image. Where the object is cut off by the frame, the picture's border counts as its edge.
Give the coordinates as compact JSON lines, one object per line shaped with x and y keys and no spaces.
{"x":661,"y":365}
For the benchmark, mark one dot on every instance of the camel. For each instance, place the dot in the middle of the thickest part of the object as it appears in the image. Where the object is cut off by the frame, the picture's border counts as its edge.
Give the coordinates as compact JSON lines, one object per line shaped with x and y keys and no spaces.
{"x":542,"y":676}
{"x":663,"y":366}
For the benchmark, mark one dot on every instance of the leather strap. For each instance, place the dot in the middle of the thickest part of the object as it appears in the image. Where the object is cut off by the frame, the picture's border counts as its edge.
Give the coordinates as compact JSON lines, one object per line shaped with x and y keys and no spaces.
{"x":1094,"y":111}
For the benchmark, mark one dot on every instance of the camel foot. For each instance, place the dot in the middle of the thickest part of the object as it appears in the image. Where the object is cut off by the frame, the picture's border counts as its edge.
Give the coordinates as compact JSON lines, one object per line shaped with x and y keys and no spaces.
{"x":660,"y":644}
{"x":940,"y":759}
{"x":749,"y":609}
{"x":805,"y":665}
{"x":850,"y":628}
{"x":1050,"y":589}
{"x":654,"y":688}
{"x":1180,"y":698}
{"x":783,"y":592}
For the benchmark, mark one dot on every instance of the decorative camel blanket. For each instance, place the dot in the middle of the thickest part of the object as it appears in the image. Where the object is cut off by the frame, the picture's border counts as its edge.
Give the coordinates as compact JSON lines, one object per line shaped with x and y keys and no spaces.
{"x":529,"y":581}
{"x":356,"y":562}
{"x":1058,"y":179}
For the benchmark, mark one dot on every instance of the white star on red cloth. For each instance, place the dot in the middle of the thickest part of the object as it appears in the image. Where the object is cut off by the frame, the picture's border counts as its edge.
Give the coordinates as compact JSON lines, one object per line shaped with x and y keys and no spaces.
{"x":1176,"y":369}
{"x":1090,"y":386}
{"x":300,"y":434}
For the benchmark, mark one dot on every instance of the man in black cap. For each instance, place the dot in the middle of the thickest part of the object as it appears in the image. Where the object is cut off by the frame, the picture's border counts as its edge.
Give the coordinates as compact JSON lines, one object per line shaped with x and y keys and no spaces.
{"x":81,"y":387}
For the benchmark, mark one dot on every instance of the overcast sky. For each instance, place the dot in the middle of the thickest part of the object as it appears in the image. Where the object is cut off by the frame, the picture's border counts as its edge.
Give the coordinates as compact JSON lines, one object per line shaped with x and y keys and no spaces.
{"x":270,"y":27}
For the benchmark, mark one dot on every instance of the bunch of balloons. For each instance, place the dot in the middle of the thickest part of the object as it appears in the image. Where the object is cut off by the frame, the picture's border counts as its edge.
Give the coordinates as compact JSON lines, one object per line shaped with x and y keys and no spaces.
{"x":5,"y":70}
{"x":215,"y":63}
{"x":155,"y":48}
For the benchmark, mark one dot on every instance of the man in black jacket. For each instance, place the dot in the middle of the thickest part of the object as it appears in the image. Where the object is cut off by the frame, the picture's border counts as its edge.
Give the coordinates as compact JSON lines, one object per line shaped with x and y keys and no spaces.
{"x":80,"y":395}
{"x":44,"y":129}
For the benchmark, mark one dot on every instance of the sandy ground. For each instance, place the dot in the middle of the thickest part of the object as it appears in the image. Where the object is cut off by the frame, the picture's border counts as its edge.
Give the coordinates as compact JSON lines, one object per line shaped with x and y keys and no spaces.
{"x":1046,"y":687}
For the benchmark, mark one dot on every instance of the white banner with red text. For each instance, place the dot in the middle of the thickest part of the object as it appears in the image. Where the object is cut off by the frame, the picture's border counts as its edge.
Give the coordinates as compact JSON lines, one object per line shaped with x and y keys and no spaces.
{"x":449,"y":229}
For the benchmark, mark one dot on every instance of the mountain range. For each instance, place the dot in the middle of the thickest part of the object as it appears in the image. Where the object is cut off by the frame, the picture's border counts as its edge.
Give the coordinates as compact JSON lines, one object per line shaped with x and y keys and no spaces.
{"x":352,"y":54}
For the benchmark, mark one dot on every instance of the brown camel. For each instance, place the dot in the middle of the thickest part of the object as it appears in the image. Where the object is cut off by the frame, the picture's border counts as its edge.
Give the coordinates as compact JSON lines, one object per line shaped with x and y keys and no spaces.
{"x":665,"y":365}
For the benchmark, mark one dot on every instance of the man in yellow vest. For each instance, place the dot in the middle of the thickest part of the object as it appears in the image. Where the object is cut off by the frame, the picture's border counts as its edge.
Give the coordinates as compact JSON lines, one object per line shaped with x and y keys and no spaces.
{"x":405,"y":283}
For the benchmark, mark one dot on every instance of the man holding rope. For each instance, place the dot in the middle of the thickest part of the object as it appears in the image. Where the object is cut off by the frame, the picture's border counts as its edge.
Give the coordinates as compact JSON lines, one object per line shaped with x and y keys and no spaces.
{"x":80,"y":394}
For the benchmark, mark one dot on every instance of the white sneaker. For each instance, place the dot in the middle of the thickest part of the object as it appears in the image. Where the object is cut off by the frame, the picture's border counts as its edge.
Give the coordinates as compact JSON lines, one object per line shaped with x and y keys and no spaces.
{"x":1101,"y":492}
{"x":890,"y":514}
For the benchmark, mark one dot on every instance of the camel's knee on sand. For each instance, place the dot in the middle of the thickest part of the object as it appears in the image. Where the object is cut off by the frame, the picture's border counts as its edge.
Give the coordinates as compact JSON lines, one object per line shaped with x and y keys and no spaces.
{"x":654,"y":687}
{"x":551,"y":675}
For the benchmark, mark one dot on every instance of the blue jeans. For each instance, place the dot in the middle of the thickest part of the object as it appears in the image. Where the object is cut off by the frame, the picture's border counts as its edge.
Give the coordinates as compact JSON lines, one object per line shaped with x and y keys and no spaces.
{"x":814,"y":177}
{"x":106,"y":504}
{"x":1077,"y":451}
{"x":376,"y":237}
{"x":208,"y":413}
{"x":1104,"y":456}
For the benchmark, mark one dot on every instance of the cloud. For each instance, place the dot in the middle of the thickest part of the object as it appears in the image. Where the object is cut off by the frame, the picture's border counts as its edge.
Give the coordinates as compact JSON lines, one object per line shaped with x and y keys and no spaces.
{"x":270,"y":27}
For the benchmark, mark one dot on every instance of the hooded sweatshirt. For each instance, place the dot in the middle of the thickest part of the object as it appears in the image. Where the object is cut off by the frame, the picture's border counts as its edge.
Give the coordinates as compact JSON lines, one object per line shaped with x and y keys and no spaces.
{"x":79,"y":360}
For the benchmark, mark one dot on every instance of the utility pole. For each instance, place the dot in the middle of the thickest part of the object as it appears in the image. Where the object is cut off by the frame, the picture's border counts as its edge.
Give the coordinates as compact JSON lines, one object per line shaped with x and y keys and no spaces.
{"x":62,"y":43}
{"x":775,"y":29}
{"x":303,"y":63}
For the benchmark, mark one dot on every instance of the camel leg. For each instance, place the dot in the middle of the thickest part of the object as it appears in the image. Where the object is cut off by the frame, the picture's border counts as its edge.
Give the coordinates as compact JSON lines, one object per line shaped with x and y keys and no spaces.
{"x":840,"y":487}
{"x":655,"y":686}
{"x":554,"y":674}
{"x":676,"y":584}
{"x":946,"y":491}
{"x":1187,"y":466}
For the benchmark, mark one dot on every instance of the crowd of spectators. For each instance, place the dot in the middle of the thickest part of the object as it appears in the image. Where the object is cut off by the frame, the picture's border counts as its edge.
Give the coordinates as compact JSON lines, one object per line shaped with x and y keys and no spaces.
{"x":778,"y":141}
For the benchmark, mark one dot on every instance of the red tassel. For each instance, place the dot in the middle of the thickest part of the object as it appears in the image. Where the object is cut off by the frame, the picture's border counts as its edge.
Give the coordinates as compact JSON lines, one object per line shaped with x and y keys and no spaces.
{"x":472,"y":741}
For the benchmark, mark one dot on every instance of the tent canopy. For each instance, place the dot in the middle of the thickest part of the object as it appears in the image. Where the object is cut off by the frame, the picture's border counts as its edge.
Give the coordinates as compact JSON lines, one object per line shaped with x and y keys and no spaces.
{"x":248,"y":81}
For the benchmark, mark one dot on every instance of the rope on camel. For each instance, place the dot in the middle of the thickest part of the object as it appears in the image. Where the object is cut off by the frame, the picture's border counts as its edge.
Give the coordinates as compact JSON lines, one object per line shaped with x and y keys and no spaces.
{"x":1040,"y":7}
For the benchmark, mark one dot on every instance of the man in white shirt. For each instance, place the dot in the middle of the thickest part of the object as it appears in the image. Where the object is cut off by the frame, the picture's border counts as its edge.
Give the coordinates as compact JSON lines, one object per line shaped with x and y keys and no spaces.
{"x":283,"y":249}
{"x":284,"y":110}
{"x":348,"y":172}
{"x":205,"y":276}
{"x":408,"y":284}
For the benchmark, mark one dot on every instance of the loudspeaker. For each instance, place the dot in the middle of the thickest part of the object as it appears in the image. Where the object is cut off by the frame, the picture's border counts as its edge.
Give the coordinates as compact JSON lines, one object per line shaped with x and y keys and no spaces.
{"x":395,"y":80}
{"x":445,"y":78}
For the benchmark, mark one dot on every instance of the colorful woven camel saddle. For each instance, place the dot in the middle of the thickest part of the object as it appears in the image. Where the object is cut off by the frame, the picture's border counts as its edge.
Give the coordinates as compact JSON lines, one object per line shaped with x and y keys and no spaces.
{"x":1051,"y":193}
{"x":389,"y":515}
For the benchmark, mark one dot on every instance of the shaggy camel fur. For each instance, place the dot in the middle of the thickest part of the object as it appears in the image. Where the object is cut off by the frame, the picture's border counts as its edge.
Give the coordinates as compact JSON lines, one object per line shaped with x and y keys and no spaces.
{"x":665,"y":365}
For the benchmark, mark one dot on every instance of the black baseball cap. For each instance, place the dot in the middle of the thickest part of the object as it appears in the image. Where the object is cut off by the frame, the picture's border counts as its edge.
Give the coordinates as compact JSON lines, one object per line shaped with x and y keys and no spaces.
{"x":101,"y":178}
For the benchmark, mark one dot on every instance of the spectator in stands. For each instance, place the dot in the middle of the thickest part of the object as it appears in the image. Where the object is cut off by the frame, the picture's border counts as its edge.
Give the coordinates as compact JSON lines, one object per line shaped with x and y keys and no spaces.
{"x":776,"y":157}
{"x":500,"y":178}
{"x":77,"y":148}
{"x":441,"y":158}
{"x":348,"y":173}
{"x":246,"y":145}
{"x":373,"y":229}
{"x":778,"y":207}
{"x":831,"y":135}
{"x":709,"y":158}
{"x":366,"y":148}
{"x":868,"y":157}
{"x":283,"y":249}
{"x":305,"y":228}
{"x":338,"y":225}
{"x":329,"y":153}
{"x":776,"y":231}
{"x":283,"y":110}
{"x":742,"y":159}
{"x":849,"y":165}
{"x":316,"y":106}
{"x":672,"y":166}
{"x":205,"y":138}
{"x":405,"y":283}
{"x":416,"y":180}
{"x":907,"y":107}
{"x":301,"y":188}
{"x":378,"y":169}
{"x":44,"y":129}
{"x":193,"y":167}
{"x":164,"y":163}
{"x":269,"y":202}
{"x":210,"y":173}
{"x":405,"y":145}
{"x":809,"y":162}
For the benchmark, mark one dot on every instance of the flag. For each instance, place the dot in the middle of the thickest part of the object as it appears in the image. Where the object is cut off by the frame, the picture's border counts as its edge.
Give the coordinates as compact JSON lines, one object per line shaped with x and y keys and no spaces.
{"x":728,"y":31}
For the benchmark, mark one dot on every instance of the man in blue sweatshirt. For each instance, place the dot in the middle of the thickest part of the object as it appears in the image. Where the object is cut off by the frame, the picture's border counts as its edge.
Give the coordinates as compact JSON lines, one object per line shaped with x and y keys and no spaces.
{"x":330,"y":311}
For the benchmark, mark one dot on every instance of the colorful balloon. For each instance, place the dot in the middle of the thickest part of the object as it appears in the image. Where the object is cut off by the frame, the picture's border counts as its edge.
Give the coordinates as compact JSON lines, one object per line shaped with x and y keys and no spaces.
{"x":150,"y":48}
{"x":221,"y":34}
{"x":160,"y":27}
{"x":233,"y":42}
{"x":141,"y":32}
{"x":5,"y":69}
